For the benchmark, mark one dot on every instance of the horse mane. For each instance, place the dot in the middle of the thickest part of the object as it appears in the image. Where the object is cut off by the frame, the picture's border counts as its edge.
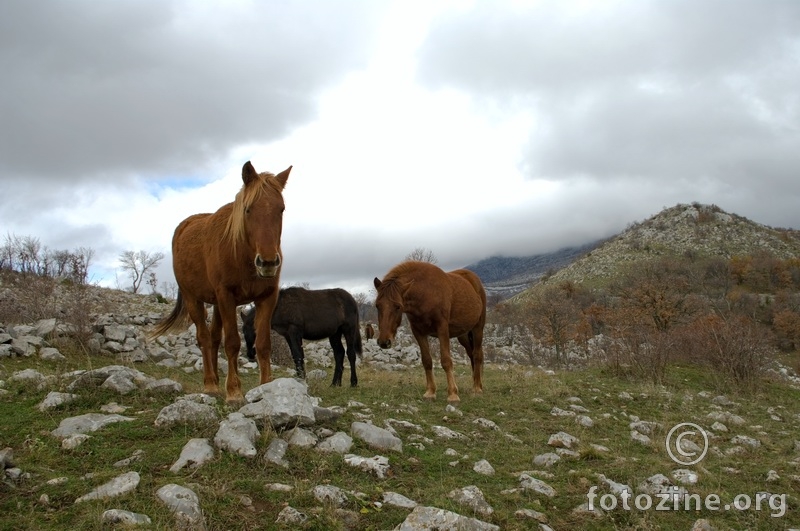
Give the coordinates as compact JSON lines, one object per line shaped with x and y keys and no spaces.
{"x":391,"y":289}
{"x":393,"y":285}
{"x":249,"y":194}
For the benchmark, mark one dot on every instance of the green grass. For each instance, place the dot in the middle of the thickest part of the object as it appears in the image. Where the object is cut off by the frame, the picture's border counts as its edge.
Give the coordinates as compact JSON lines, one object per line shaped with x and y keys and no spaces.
{"x":518,"y":399}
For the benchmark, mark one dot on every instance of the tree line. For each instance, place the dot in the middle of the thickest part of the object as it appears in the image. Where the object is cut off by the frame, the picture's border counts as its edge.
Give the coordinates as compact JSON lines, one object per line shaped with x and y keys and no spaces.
{"x":27,"y":255}
{"x":729,"y":314}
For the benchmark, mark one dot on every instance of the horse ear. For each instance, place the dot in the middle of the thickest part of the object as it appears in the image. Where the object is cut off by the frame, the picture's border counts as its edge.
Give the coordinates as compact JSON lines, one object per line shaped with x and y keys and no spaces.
{"x":248,"y":172}
{"x":377,"y":283}
{"x":283,"y":176}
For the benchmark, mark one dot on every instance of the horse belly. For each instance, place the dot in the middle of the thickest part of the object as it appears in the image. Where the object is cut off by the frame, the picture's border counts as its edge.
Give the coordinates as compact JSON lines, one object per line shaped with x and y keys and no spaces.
{"x":188,"y":259}
{"x":465,"y":314}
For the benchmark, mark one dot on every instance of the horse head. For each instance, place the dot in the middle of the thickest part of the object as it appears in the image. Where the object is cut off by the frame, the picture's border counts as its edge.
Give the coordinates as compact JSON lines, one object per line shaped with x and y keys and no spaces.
{"x":389,"y":303}
{"x":257,"y":218}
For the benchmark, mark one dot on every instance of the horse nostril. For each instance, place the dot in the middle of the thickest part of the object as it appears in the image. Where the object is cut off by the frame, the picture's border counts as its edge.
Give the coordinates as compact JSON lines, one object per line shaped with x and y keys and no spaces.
{"x":260,"y":262}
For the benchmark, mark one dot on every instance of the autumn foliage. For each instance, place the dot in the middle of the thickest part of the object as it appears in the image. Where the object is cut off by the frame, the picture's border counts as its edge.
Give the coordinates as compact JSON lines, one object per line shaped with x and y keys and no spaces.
{"x":730,"y":315}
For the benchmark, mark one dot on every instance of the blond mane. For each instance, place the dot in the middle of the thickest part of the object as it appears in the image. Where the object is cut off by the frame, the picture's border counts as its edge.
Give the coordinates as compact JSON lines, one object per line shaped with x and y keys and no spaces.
{"x":249,"y":194}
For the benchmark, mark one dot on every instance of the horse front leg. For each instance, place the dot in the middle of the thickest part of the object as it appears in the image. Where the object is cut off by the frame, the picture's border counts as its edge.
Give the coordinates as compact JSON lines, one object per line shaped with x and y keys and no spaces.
{"x":230,"y":330}
{"x":338,"y":358}
{"x":427,"y":364}
{"x":295,"y":340}
{"x":447,"y":365}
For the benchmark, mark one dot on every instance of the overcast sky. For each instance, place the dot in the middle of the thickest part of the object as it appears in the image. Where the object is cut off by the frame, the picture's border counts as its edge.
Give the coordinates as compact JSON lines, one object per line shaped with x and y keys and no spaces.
{"x":468,"y":128}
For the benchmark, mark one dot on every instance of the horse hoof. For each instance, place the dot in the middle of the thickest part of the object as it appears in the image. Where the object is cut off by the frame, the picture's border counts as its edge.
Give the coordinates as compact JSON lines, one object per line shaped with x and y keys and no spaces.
{"x":235,"y":402}
{"x":429,"y":398}
{"x":453,"y":401}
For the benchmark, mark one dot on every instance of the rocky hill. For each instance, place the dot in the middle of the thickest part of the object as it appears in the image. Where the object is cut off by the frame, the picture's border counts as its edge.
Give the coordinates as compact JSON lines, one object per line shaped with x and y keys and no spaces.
{"x":689,"y":230}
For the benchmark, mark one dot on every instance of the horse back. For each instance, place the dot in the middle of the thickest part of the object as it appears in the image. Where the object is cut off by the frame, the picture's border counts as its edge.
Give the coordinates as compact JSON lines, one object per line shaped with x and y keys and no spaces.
{"x":318,"y":313}
{"x":434,"y":295}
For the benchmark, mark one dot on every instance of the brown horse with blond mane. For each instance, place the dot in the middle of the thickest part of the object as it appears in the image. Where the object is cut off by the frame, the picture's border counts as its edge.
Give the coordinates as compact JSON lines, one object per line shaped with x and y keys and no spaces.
{"x":227,"y":259}
{"x":437,"y":304}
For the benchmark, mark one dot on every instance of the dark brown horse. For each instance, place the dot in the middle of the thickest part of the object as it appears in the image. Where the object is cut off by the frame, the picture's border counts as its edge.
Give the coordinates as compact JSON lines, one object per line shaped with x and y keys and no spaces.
{"x":314,"y":314}
{"x":369,"y":331}
{"x":437,"y":304}
{"x":226,"y":259}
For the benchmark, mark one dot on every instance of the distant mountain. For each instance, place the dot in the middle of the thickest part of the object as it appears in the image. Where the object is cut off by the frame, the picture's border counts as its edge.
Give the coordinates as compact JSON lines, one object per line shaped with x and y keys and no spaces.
{"x":505,"y":276}
{"x":685,"y":230}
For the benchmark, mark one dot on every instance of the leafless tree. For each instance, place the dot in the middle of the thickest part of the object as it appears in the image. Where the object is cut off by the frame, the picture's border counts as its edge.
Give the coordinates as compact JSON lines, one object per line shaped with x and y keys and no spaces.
{"x":138,"y":264}
{"x":169,"y":290}
{"x":421,"y":254}
{"x":27,"y":255}
{"x":366,"y":307}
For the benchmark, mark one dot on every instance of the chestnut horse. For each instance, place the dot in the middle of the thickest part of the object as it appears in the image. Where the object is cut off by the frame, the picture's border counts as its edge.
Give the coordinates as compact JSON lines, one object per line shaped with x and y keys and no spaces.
{"x":227,"y":259}
{"x":437,"y":304}
{"x":369,"y":331}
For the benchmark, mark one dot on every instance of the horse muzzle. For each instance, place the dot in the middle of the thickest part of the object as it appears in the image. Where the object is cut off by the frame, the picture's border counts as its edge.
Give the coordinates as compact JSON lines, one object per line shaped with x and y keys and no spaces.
{"x":386,"y":343}
{"x":267,"y":268}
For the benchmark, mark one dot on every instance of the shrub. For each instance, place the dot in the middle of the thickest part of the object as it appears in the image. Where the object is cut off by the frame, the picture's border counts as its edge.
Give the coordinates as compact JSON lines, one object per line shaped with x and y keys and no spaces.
{"x":736,"y":350}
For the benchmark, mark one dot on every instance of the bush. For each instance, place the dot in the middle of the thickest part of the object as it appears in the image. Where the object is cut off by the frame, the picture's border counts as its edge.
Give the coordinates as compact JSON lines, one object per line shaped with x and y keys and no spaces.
{"x":736,"y":350}
{"x":640,"y":353}
{"x":26,"y":297}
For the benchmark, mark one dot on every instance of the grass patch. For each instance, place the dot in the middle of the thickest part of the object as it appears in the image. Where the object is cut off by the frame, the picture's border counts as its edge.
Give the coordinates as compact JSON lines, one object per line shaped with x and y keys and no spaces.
{"x":518,"y":399}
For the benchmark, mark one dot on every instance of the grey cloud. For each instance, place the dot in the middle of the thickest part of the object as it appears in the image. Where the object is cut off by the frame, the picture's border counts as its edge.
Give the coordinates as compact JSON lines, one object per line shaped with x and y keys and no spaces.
{"x":637,"y":90}
{"x":511,"y":48}
{"x":100,"y":90}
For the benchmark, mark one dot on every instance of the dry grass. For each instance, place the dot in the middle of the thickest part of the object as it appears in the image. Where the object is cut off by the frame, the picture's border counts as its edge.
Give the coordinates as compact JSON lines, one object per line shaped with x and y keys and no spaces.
{"x":518,"y":399}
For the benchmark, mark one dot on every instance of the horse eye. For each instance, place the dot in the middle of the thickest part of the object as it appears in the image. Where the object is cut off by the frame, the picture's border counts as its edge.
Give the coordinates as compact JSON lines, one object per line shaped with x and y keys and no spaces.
{"x":247,"y":210}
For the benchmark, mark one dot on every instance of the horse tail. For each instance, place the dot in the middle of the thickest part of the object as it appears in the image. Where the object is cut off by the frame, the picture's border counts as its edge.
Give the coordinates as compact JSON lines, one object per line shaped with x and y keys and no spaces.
{"x":177,"y":317}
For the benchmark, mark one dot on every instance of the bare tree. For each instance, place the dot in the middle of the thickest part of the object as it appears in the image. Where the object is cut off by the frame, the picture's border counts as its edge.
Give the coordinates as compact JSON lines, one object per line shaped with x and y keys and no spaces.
{"x":137,"y":264}
{"x":366,"y":307}
{"x":169,"y":290}
{"x":421,"y":254}
{"x":79,"y":265}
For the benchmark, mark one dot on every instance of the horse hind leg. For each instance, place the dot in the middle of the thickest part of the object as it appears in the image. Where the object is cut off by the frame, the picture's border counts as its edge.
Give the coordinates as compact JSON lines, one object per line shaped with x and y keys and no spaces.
{"x":208,"y":341}
{"x":296,"y":346}
{"x":351,"y":355}
{"x":473,"y":343}
{"x":338,"y":358}
{"x":230,"y":332}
